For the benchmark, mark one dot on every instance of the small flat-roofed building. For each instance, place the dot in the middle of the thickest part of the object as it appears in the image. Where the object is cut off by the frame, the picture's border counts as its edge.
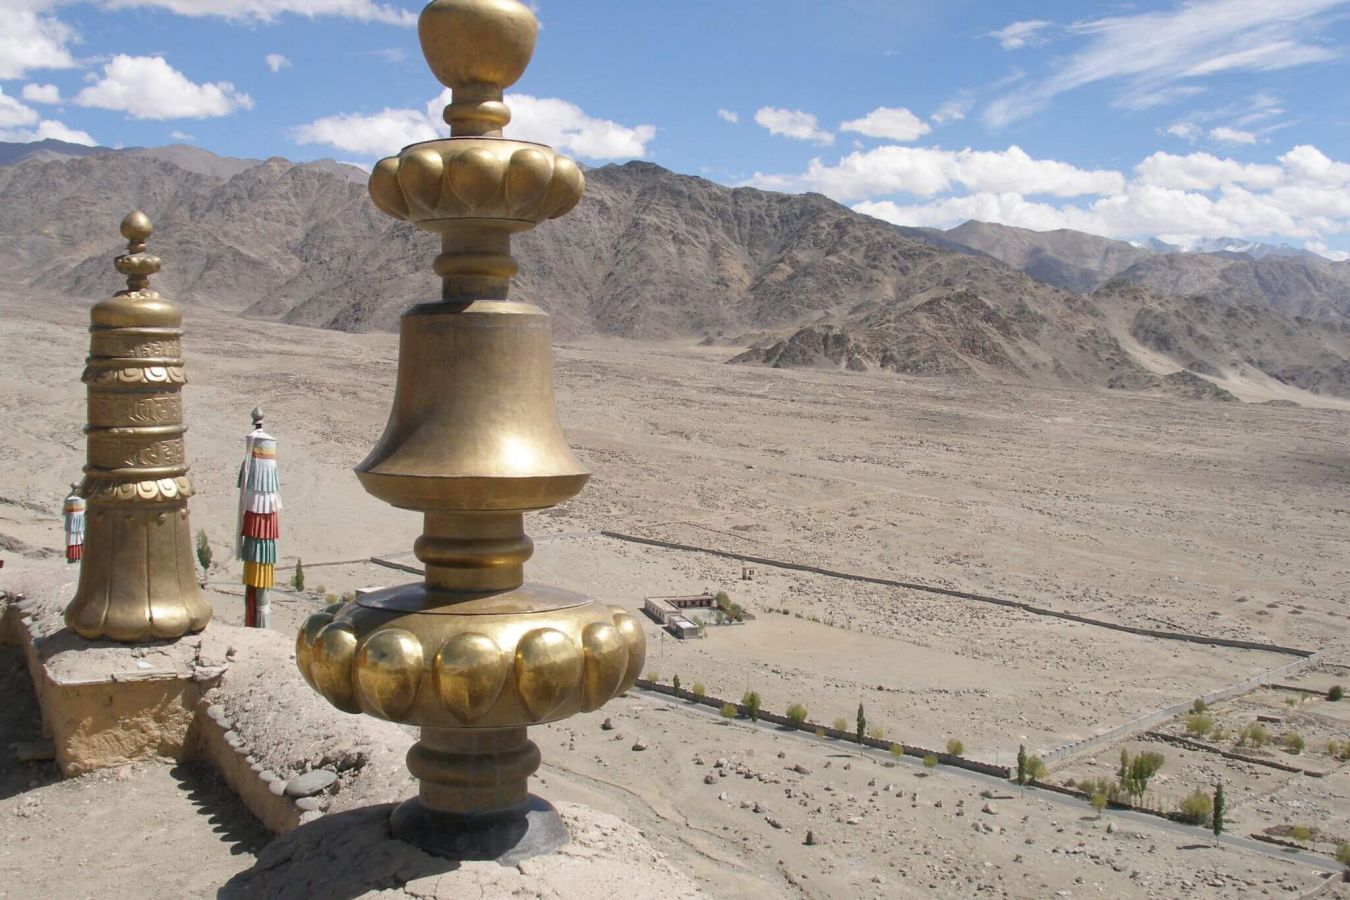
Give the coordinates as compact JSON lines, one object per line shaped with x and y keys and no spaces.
{"x":682,"y":628}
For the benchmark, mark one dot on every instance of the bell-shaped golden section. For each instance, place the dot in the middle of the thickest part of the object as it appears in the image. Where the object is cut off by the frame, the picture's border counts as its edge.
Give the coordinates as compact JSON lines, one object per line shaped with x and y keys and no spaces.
{"x":137,"y":580}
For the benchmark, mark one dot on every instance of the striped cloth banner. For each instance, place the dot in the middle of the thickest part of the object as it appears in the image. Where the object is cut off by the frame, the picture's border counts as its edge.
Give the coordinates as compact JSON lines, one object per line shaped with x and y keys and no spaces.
{"x":73,"y":512}
{"x":259,"y":508}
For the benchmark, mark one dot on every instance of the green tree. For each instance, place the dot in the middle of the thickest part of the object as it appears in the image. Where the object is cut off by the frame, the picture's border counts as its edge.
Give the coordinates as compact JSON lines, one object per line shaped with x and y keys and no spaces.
{"x":1139,"y":770}
{"x":203,"y":550}
{"x":675,"y":683}
{"x":298,"y":579}
{"x":1021,"y":763}
{"x":862,"y":723}
{"x":698,"y":690}
{"x":1294,"y":743}
{"x":1196,"y":808}
{"x":955,"y":747}
{"x":722,"y":600}
{"x":841,"y":725}
{"x":1218,"y":810}
{"x":897,"y":750}
{"x":1336,"y":694}
{"x":1098,"y":802}
{"x":930,"y":761}
{"x":797,"y":714}
{"x":750,"y":703}
{"x":1343,"y":855}
{"x":728,"y":711}
{"x":1036,"y":769}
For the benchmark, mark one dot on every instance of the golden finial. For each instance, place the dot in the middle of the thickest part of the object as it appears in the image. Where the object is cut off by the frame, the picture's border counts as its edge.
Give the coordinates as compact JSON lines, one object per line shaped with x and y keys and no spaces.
{"x":474,"y":654}
{"x":136,"y":264}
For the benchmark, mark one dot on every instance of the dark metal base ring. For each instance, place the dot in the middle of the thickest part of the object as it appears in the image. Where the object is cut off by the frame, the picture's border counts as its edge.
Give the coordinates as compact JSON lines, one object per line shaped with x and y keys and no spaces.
{"x":506,"y":836}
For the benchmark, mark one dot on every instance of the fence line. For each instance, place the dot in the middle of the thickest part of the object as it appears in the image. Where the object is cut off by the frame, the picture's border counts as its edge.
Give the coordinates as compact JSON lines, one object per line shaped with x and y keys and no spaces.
{"x":967,"y":595}
{"x":946,"y":759}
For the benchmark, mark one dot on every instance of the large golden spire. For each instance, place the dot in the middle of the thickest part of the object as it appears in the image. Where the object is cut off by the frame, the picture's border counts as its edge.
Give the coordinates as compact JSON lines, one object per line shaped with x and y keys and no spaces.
{"x":137,"y":581}
{"x":473,"y":654}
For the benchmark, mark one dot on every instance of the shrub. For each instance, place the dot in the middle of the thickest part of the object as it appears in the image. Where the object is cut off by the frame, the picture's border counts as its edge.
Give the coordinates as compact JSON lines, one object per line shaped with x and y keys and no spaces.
{"x":1336,"y":693}
{"x":820,"y":732}
{"x":1098,"y":802}
{"x":1301,"y":833}
{"x":728,"y":711}
{"x":330,"y":599}
{"x":653,"y":677}
{"x":698,"y":690}
{"x":897,"y":750}
{"x":1254,"y":735}
{"x":797,"y":713}
{"x":675,"y":683}
{"x":1036,"y":769}
{"x":1196,"y":808}
{"x":298,"y":579}
{"x":203,"y":550}
{"x":321,"y":591}
{"x":750,"y":703}
{"x":1343,"y":855}
{"x":841,"y":725}
{"x":1218,"y":735}
{"x":1198,"y":724}
{"x":955,"y":747}
{"x":1293,"y":742}
{"x":1199,"y":706}
{"x":876,"y":732}
{"x":930,"y":761}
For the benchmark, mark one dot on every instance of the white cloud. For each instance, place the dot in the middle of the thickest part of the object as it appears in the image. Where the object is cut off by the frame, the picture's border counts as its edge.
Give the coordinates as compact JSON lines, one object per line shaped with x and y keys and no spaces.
{"x":12,"y":112}
{"x":925,"y":171}
{"x":30,"y":40}
{"x":1187,"y":131}
{"x":792,"y":123}
{"x":893,"y":124}
{"x":1303,"y":196}
{"x":953,"y":110}
{"x":267,"y":10}
{"x":15,"y":116}
{"x":181,"y":136}
{"x":566,"y":127}
{"x":147,"y":87}
{"x":546,"y":120}
{"x":58,"y":131}
{"x":727,"y":115}
{"x":1152,"y":52}
{"x":1225,"y":135}
{"x":1321,"y":249}
{"x":41,"y":93}
{"x":276,"y":62}
{"x":1021,"y":34}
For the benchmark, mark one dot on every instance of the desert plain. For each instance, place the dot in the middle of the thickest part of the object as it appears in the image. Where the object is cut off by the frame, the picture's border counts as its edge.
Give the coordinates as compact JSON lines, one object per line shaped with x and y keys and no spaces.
{"x":1218,"y":519}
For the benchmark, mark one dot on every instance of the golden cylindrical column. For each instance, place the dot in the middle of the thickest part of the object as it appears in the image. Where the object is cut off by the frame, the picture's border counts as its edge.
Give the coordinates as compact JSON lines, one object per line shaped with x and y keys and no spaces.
{"x":137,"y":581}
{"x":474,"y":654}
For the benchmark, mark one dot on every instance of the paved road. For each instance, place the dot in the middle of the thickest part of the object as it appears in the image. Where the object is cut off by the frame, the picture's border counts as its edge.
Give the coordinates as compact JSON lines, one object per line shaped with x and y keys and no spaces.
{"x":1196,"y":833}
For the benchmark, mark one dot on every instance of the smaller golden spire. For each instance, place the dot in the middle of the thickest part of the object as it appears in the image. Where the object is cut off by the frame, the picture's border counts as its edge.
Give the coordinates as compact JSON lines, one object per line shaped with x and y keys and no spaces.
{"x":136,"y":264}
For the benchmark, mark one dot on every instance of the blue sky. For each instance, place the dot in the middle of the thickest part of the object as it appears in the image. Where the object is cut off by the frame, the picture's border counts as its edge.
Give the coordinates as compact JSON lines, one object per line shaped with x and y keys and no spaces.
{"x":1177,"y":119}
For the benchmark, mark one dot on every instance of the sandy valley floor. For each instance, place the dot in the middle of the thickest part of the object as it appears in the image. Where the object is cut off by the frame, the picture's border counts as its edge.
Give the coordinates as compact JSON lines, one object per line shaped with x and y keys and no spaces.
{"x":1222,"y":519}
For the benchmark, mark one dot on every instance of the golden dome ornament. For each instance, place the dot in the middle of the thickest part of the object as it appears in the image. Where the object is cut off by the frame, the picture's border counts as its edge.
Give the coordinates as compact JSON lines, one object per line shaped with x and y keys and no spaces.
{"x":474,"y":654}
{"x":137,"y":581}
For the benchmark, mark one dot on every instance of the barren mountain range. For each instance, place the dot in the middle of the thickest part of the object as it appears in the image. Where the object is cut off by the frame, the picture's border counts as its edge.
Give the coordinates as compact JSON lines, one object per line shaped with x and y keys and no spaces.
{"x":649,"y":254}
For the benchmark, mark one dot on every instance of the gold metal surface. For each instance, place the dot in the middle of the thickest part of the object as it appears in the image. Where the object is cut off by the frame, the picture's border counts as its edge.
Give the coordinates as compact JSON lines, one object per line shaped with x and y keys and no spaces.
{"x":473,"y":654}
{"x":137,"y":581}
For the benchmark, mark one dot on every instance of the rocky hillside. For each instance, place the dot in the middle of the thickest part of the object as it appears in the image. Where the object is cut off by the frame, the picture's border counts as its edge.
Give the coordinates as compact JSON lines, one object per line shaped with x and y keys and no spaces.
{"x":1294,"y":282}
{"x":651,"y":254}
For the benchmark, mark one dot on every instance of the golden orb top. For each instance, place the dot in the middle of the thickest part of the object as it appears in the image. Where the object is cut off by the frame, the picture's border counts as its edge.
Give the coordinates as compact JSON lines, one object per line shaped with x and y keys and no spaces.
{"x":478,"y":48}
{"x":136,"y":227}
